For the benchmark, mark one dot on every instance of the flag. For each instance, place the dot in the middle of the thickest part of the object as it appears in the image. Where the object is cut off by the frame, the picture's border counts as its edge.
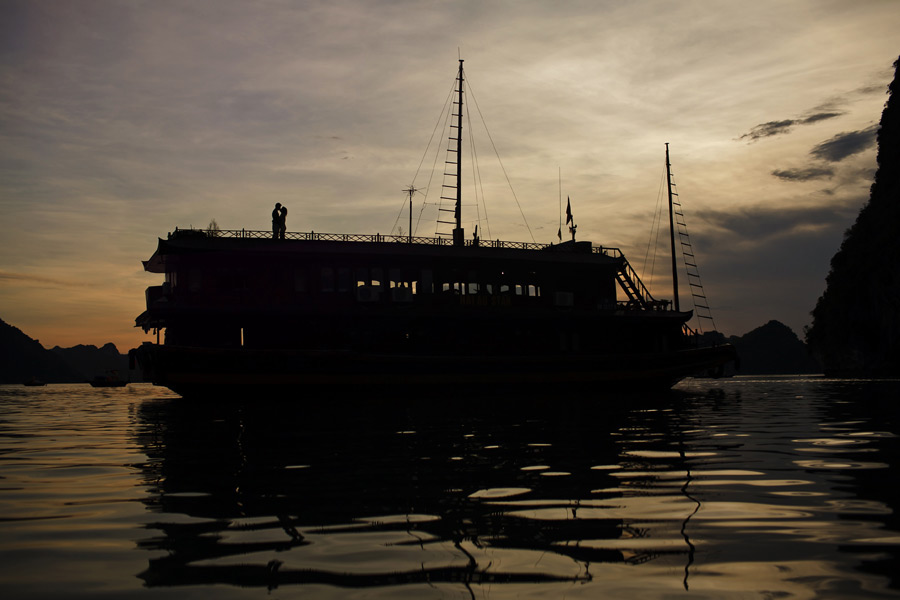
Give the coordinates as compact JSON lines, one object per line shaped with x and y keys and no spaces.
{"x":559,"y":234}
{"x":569,"y":218}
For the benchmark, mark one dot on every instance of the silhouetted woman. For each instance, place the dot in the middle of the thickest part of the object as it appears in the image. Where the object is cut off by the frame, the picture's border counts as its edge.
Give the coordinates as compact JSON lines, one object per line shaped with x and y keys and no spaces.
{"x":281,"y":222}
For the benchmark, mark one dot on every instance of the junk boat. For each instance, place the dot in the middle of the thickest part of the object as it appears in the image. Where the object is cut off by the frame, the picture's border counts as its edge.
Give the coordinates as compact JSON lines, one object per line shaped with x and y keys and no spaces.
{"x":111,"y":379}
{"x":243,"y":312}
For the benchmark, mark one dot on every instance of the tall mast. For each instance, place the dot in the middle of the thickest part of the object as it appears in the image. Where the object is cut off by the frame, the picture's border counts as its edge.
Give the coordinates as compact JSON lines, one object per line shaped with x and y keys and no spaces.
{"x":672,"y":230}
{"x":458,"y":233}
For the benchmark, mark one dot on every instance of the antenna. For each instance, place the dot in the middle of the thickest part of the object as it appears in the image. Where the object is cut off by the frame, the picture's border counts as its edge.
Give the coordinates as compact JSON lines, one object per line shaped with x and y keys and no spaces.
{"x":559,"y":232}
{"x":410,"y":190}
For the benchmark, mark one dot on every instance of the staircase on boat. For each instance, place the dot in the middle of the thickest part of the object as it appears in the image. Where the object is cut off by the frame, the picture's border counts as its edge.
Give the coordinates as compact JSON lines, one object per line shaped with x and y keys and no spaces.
{"x":637,"y":293}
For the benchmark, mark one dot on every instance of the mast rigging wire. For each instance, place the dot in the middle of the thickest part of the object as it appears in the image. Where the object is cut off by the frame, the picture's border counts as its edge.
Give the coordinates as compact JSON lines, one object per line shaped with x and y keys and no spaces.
{"x":497,"y":154}
{"x":655,"y":226}
{"x":444,"y":117}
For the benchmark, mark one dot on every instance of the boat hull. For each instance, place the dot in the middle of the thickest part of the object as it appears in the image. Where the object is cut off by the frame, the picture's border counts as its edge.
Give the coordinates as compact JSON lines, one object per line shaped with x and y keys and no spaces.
{"x":207,"y":372}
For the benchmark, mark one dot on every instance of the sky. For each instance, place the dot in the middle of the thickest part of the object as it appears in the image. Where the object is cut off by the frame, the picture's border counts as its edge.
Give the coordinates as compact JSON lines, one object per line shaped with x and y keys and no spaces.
{"x":122,"y":120}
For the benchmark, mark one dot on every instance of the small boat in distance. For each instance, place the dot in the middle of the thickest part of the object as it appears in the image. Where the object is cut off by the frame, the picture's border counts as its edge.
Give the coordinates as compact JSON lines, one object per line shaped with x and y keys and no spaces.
{"x":33,"y":382}
{"x":111,"y":379}
{"x":243,"y":312}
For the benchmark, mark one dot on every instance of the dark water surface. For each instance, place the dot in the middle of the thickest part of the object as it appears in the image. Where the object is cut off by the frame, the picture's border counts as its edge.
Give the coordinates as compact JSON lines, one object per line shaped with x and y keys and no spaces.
{"x":741,"y":488}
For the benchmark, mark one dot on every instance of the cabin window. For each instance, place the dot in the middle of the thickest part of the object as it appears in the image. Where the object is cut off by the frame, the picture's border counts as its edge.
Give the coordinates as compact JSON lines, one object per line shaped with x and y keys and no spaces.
{"x":403,"y":278}
{"x":396,"y":279}
{"x":377,"y":277}
{"x":362,"y":277}
{"x":343,"y":279}
{"x":368,"y":293}
{"x":171,"y":279}
{"x":327,"y":279}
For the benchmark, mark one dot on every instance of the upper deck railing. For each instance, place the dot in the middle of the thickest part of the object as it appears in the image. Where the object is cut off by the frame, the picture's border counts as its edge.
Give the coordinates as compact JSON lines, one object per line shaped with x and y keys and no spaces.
{"x":378,"y":238}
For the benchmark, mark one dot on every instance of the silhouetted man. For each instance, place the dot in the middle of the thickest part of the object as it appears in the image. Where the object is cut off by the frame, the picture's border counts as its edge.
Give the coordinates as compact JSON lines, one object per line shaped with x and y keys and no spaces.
{"x":277,"y":221}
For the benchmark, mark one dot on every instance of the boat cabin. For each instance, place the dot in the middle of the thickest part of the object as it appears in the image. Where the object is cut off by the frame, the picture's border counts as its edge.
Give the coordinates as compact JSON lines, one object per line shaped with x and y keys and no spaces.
{"x":232,"y":289}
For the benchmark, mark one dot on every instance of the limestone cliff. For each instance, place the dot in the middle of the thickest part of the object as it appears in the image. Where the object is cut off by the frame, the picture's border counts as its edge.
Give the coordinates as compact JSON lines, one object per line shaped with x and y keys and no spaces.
{"x":856,"y":322}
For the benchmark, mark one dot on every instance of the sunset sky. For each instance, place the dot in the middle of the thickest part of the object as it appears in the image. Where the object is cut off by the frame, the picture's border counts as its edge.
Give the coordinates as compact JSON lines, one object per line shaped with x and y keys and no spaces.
{"x":121,"y":120}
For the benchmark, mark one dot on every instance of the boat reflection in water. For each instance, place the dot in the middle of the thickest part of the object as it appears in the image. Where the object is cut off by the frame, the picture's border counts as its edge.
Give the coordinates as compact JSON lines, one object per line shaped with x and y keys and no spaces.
{"x":395,"y":495}
{"x":698,"y":492}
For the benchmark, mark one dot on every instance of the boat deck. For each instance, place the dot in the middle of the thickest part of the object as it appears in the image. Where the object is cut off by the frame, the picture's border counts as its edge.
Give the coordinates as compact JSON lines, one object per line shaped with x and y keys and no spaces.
{"x":312,"y":236}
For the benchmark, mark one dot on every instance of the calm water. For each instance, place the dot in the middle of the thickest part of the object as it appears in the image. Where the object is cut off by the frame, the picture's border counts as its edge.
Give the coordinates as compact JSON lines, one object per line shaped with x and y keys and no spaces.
{"x":743,"y":488}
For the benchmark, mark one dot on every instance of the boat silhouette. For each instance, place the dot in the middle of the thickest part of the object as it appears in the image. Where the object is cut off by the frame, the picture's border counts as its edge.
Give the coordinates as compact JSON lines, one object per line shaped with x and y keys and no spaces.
{"x":247,"y":310}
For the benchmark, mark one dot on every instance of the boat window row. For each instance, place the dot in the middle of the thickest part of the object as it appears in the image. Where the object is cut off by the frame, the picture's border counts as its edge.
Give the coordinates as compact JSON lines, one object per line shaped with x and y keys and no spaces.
{"x":401,"y":283}
{"x":367,"y":284}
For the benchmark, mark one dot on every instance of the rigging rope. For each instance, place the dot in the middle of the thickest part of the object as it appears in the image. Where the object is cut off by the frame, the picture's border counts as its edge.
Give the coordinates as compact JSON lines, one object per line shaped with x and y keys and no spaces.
{"x":442,"y":118}
{"x":497,"y":154}
{"x":476,"y":175}
{"x":655,"y":225}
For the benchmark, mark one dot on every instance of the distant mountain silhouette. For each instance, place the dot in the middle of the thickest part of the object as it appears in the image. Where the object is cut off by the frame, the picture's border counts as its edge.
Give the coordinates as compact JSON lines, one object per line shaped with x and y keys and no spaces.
{"x":91,"y":361}
{"x":22,"y":358}
{"x":856,"y":322}
{"x":773,"y":349}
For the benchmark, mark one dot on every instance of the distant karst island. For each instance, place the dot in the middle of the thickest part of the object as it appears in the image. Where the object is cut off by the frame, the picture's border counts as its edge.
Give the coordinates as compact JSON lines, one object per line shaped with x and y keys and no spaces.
{"x":23,"y":358}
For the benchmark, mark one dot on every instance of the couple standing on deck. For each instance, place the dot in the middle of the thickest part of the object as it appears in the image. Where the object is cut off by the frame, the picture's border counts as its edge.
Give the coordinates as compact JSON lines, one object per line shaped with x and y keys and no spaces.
{"x":278,"y":221}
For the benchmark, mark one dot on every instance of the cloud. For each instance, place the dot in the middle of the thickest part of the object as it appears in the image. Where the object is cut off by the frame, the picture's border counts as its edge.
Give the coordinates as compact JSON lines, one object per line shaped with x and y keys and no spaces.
{"x":24,"y":277}
{"x":769,"y":129}
{"x":807,"y":174}
{"x":763,"y":261}
{"x":768,"y":262}
{"x":786,"y":125}
{"x":822,"y":116}
{"x":749,"y":227}
{"x":845,"y":144}
{"x":829,"y":109}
